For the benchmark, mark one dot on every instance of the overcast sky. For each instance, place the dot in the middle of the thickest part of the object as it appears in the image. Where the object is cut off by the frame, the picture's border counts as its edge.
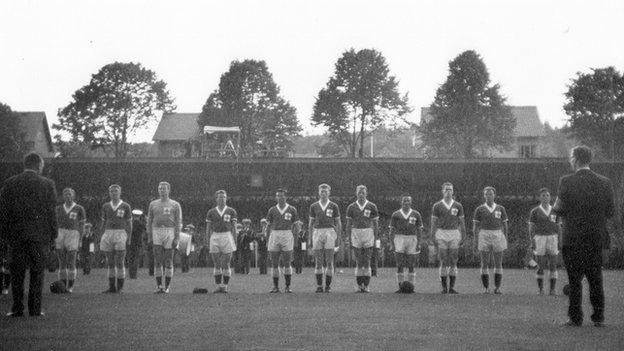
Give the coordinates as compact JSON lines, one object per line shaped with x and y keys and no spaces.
{"x":49,"y":49}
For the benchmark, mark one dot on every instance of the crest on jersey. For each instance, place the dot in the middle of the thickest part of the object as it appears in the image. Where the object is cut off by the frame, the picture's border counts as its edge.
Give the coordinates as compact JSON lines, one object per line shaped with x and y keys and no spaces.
{"x":120,"y":213}
{"x":454,"y":211}
{"x":412,"y":220}
{"x":497,"y":214}
{"x":167,"y":210}
{"x":287,"y":216}
{"x":553,"y":218}
{"x":367,"y":212}
{"x":329,"y":212}
{"x":73,"y":215}
{"x":226,"y":218}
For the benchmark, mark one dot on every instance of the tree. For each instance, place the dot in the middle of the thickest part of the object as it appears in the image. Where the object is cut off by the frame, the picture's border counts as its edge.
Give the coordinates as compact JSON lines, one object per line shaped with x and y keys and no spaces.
{"x":468,"y":116}
{"x":595,"y":105}
{"x":358,"y":98}
{"x":120,"y":99}
{"x":248,"y":98}
{"x":11,"y":134}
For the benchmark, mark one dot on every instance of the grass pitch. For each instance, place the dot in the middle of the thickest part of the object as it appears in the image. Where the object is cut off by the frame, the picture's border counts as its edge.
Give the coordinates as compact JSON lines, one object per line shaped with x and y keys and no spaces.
{"x":249,"y":318}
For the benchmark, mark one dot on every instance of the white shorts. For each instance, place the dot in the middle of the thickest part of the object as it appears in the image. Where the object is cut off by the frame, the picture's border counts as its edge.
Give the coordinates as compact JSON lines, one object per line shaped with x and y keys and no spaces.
{"x":163,"y":236}
{"x":113,"y":240}
{"x":67,"y":239}
{"x":448,"y":238}
{"x":406,"y":244}
{"x":546,"y":245}
{"x":324,"y":239}
{"x":362,"y":238}
{"x":222,"y":243}
{"x":281,"y":240}
{"x":492,"y":240}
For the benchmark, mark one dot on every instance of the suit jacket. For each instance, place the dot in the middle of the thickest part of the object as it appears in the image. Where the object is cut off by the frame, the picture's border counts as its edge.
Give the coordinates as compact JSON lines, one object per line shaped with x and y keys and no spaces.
{"x":585,"y":202}
{"x":27,"y":209}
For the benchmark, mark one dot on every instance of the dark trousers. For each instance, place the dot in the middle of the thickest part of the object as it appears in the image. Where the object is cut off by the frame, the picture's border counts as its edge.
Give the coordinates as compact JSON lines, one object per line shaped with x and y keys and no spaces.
{"x":262,"y":262}
{"x":32,"y":256}
{"x":184,"y":262}
{"x":584,"y":262}
{"x":245,"y":265}
{"x":150,"y":259}
{"x":133,"y":260}
{"x":85,"y":259}
{"x":298,"y":258}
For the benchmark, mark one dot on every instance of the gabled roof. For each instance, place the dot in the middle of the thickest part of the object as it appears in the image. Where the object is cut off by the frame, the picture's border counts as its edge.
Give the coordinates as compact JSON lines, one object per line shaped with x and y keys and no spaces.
{"x":528,"y":123}
{"x":177,"y":126}
{"x":31,"y":123}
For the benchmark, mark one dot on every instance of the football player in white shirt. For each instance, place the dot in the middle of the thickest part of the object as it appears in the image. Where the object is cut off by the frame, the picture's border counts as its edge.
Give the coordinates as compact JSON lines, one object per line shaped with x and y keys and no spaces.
{"x":164,"y":221}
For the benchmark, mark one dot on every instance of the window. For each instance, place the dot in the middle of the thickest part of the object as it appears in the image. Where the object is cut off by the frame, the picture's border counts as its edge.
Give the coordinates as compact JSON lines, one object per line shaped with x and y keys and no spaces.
{"x":528,"y":151}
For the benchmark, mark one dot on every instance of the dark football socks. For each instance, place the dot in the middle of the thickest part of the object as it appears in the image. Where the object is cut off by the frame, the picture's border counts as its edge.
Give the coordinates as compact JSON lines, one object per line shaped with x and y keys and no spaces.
{"x":319,"y":279}
{"x":485,"y":279}
{"x":328,"y":279}
{"x":120,"y":284}
{"x":159,"y":281}
{"x":287,"y":279}
{"x":276,"y":282}
{"x":167,"y":281}
{"x":358,"y":280}
{"x":553,"y":282}
{"x":111,"y":284}
{"x":226,"y":279}
{"x":540,"y":283}
{"x":443,"y":281}
{"x":452,"y":281}
{"x":218,"y":279}
{"x":497,"y":279}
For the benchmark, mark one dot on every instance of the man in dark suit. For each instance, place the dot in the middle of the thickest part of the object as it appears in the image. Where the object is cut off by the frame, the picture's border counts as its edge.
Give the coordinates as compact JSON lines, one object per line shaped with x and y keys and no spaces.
{"x":28,"y":223}
{"x":585,"y":202}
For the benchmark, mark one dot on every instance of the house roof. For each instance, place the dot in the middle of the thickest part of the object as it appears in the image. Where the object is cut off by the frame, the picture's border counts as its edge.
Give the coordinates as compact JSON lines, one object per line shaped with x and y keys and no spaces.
{"x":177,"y":126}
{"x":31,"y":122}
{"x":528,"y":123}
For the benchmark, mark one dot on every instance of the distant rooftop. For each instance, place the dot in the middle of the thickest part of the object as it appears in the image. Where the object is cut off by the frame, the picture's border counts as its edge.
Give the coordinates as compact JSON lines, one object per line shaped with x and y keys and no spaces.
{"x":177,"y":126}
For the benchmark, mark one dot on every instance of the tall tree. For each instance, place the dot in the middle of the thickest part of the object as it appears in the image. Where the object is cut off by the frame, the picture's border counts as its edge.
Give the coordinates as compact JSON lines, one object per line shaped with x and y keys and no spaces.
{"x":468,"y":115}
{"x":248,"y":98}
{"x":595,"y":105}
{"x":120,"y":99}
{"x":11,"y":134}
{"x":358,"y":98}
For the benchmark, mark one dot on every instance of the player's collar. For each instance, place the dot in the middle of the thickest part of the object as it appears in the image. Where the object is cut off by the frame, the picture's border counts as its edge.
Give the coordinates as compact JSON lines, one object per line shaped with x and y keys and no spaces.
{"x":68,"y":209}
{"x":282,"y":210}
{"x":363,"y":206}
{"x":546,"y":212}
{"x":321,"y":204}
{"x":448,"y":207}
{"x":113,"y":205}
{"x":405,"y":215}
{"x":221,"y":212}
{"x":491,"y":209}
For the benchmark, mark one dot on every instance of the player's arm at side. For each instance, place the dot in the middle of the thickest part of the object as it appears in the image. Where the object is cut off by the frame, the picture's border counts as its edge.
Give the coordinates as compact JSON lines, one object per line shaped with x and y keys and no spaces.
{"x":475,"y":230}
{"x":531,"y":234}
{"x":338,"y":229}
{"x":150,"y":219}
{"x":128,"y":215}
{"x":311,"y":227}
{"x":391,"y":233}
{"x":505,"y":223}
{"x":177,"y":228}
{"x":434,"y":228}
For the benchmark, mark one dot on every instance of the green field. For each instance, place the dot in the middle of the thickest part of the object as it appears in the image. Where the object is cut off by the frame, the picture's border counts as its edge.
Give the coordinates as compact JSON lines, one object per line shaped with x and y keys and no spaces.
{"x":248,"y":318}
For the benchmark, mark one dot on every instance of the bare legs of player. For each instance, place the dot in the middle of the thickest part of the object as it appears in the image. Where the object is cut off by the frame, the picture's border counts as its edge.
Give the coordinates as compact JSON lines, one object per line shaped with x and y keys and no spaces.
{"x":498,"y":271}
{"x":400,"y":262}
{"x":285,"y":258}
{"x":120,"y":265}
{"x":222,"y":271}
{"x":550,"y":262}
{"x":485,"y":272}
{"x":72,"y":272}
{"x":63,"y":275}
{"x":363,"y":267}
{"x":448,"y":269}
{"x":324,"y":263}
{"x":158,"y":267}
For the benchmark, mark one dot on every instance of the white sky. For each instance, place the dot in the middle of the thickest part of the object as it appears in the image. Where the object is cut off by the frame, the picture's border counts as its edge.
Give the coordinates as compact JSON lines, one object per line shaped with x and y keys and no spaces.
{"x":49,"y":49}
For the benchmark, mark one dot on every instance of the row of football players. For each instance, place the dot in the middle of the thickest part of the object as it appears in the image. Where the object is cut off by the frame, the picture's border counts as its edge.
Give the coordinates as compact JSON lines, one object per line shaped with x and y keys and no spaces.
{"x":164,"y":221}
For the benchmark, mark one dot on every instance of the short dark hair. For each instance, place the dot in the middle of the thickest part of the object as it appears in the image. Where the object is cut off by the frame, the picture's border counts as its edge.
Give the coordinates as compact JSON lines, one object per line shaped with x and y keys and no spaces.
{"x":32,"y":161}
{"x":220,"y":192}
{"x":281,"y":190}
{"x":582,"y":154}
{"x":447,"y":183}
{"x":543,"y":190}
{"x":489,"y":188}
